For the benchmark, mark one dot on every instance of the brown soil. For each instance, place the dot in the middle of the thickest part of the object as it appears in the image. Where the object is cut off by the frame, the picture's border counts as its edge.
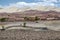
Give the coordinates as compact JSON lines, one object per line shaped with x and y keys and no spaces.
{"x":17,"y":34}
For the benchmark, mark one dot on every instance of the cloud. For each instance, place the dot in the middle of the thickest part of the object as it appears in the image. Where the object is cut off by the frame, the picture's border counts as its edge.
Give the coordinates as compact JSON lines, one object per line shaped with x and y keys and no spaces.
{"x":39,"y":3}
{"x":24,"y":4}
{"x":50,"y":0}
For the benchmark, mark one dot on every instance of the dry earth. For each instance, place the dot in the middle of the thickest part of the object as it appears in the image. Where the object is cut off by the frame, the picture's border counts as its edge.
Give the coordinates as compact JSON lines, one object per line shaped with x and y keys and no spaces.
{"x":17,"y":34}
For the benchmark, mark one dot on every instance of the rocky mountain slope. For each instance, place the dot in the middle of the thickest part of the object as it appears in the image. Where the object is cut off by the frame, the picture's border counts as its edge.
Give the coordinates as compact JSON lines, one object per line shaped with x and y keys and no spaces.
{"x":40,"y":8}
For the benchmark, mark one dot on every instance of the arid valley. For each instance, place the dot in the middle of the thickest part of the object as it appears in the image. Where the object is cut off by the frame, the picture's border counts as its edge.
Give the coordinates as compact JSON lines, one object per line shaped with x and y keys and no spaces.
{"x":30,"y":25}
{"x":29,"y":19}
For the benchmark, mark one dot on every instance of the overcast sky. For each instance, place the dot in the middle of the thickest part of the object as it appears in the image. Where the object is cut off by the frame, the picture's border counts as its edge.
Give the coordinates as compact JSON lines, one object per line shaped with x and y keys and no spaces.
{"x":31,"y":3}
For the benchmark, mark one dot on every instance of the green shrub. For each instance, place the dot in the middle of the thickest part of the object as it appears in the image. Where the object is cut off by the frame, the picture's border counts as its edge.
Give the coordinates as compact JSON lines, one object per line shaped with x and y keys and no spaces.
{"x":3,"y":19}
{"x":36,"y":19}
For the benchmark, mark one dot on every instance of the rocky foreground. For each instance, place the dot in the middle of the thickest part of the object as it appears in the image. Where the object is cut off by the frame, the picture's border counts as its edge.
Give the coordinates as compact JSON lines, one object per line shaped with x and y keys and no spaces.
{"x":17,"y":34}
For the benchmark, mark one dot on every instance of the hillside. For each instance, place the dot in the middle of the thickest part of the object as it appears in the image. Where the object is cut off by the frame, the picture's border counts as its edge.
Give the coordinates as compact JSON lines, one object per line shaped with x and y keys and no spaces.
{"x":40,"y":8}
{"x":31,"y":14}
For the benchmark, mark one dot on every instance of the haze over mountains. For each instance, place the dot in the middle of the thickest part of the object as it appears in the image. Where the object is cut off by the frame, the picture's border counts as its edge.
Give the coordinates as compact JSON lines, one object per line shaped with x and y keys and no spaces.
{"x":39,"y":8}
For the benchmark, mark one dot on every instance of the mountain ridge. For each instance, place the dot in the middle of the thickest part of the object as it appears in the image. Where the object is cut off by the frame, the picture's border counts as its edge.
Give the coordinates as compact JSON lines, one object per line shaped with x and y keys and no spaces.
{"x":39,"y":8}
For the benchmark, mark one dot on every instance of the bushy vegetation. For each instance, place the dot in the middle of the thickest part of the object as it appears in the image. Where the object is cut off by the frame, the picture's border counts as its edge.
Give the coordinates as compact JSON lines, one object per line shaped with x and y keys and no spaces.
{"x":36,"y":19}
{"x":3,"y":19}
{"x":31,"y":18}
{"x":25,"y":18}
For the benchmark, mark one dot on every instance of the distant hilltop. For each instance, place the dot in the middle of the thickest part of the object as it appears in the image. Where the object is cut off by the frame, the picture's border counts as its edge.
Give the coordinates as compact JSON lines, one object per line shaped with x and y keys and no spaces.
{"x":30,"y":15}
{"x":39,"y":8}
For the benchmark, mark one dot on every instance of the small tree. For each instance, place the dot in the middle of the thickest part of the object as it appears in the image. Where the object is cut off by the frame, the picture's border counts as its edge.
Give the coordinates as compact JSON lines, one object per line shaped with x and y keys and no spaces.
{"x":24,"y":24}
{"x":36,"y":19}
{"x":3,"y":28}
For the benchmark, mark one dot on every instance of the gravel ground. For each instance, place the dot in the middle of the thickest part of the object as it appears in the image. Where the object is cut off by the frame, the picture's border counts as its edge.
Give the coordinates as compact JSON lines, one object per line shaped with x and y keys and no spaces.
{"x":17,"y":34}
